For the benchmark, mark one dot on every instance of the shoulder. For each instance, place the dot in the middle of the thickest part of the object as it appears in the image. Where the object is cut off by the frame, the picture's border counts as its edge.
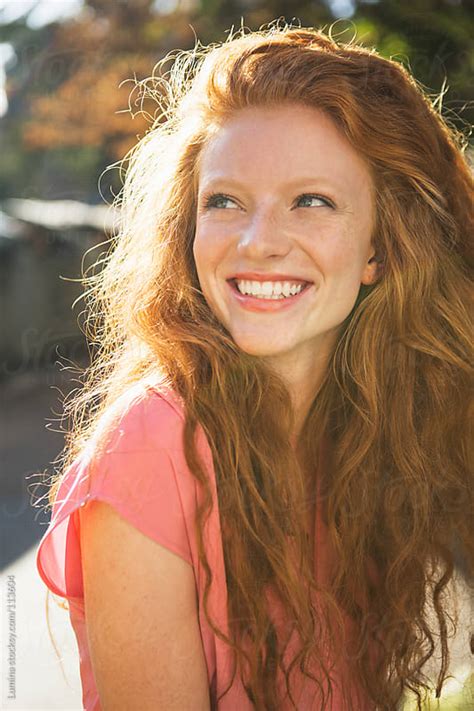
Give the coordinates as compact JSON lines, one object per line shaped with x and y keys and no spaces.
{"x":139,"y":468}
{"x":136,"y":456}
{"x":139,"y":471}
{"x":145,"y":417}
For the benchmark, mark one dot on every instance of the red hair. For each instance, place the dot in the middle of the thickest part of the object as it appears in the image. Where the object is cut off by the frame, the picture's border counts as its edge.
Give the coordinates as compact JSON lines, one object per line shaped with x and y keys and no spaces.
{"x":397,"y":489}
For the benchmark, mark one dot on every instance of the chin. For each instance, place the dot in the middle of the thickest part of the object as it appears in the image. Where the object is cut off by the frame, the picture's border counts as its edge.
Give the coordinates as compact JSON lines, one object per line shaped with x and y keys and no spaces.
{"x":256,"y":348}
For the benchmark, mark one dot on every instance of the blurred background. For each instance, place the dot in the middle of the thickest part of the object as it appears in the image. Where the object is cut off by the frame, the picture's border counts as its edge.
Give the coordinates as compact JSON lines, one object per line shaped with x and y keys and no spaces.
{"x":68,"y":112}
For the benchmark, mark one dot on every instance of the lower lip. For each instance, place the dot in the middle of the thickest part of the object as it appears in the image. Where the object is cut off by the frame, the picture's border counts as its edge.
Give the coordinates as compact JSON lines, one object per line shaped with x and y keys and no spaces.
{"x":252,"y":303}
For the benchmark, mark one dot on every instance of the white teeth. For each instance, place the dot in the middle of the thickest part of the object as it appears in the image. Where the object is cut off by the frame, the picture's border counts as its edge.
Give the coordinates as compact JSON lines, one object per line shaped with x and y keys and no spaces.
{"x":269,"y":289}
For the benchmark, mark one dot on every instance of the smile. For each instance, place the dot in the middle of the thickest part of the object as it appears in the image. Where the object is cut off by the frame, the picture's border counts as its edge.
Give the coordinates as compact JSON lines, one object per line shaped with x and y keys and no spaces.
{"x":265,"y":298}
{"x":269,"y":289}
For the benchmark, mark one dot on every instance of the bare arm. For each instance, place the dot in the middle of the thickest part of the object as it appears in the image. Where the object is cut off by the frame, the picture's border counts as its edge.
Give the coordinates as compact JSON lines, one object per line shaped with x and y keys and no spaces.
{"x":142,"y":621}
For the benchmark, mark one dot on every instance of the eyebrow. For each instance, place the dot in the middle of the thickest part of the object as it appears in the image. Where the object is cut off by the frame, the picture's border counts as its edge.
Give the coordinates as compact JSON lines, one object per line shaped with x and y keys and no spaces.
{"x":222,"y":178}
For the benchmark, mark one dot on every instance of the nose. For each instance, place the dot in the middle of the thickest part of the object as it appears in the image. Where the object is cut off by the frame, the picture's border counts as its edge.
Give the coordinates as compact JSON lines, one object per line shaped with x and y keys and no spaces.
{"x":264,"y":236}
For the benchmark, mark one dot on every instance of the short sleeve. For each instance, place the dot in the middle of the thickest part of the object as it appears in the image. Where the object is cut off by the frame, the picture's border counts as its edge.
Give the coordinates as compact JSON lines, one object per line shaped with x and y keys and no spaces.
{"x":138,"y":472}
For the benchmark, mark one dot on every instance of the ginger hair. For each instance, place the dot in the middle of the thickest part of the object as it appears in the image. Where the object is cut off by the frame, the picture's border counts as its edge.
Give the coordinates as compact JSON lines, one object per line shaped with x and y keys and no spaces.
{"x":394,"y":402}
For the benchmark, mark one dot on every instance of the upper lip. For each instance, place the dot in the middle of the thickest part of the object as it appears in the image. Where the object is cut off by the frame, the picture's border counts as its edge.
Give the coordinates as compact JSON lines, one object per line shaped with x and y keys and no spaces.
{"x":256,"y":276}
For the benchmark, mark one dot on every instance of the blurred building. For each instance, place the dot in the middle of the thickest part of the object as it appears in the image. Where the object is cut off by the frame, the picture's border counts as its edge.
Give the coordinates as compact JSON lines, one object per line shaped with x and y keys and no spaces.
{"x":43,"y":247}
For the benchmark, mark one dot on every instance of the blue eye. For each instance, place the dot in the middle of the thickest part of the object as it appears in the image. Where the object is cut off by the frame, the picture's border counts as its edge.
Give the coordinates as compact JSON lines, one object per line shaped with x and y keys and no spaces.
{"x":325,"y":201}
{"x":216,"y":200}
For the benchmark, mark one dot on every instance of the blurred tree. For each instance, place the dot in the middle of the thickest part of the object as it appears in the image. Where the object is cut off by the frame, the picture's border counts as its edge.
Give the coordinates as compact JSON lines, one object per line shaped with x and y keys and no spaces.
{"x":69,"y":117}
{"x":112,"y":44}
{"x":434,"y":39}
{"x":69,"y":90}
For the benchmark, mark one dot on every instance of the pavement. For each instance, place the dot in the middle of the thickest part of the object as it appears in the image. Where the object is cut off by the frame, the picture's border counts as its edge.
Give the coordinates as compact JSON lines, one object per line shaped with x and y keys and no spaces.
{"x":33,"y":675}
{"x":42,"y":680}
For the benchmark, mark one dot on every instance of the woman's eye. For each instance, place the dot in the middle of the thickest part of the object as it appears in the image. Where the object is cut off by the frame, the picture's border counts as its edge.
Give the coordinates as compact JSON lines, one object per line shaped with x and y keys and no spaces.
{"x":217,"y":200}
{"x":221,"y":201}
{"x":308,"y":198}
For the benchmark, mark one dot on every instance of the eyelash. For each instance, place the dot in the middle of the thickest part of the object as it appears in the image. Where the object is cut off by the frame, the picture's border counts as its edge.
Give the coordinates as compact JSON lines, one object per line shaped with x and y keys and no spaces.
{"x":210,"y":200}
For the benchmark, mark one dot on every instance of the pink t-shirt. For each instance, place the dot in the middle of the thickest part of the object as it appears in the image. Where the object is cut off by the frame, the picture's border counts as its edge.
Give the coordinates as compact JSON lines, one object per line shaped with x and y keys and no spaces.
{"x":143,"y":474}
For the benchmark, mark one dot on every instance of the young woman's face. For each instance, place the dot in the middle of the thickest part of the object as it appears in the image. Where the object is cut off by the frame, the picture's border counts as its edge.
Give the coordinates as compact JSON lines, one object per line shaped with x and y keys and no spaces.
{"x":283,"y":200}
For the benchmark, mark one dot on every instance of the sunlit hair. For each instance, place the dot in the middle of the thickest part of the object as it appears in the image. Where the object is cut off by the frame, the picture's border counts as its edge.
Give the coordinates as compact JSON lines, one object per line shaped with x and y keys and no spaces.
{"x":397,"y":489}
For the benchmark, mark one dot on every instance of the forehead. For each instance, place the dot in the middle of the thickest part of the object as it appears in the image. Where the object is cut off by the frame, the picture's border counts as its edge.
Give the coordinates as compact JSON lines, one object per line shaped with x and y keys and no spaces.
{"x":282,"y":142}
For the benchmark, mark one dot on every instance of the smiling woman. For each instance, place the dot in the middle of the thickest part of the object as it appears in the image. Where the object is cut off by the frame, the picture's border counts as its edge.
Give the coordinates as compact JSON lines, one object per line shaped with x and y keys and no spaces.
{"x":275,"y":229}
{"x":265,"y":497}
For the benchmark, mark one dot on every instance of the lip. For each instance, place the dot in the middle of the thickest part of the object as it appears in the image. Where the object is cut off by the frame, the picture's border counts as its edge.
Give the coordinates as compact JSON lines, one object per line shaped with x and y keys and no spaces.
{"x":258,"y":276}
{"x":252,"y":303}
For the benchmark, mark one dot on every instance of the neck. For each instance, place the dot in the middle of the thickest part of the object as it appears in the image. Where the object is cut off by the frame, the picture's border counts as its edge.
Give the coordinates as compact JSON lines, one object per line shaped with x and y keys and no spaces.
{"x":303,"y":373}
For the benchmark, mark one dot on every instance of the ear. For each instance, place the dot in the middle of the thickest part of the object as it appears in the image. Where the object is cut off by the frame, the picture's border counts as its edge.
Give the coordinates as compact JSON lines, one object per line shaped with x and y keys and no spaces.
{"x":372,"y":271}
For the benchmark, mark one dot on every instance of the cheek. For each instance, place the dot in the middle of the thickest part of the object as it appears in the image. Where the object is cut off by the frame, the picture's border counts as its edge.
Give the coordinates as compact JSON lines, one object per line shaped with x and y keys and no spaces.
{"x":197,"y":254}
{"x":208,"y":258}
{"x":345,"y":259}
{"x":207,"y":252}
{"x":335,"y":258}
{"x":202,"y":252}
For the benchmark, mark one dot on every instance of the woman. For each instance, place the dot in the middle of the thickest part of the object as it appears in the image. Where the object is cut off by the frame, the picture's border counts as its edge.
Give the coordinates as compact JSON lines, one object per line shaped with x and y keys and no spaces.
{"x":272,"y":487}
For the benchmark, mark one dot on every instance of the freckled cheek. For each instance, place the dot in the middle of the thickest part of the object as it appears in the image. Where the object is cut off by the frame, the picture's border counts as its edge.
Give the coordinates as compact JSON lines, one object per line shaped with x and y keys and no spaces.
{"x":342,"y":256}
{"x":209,"y":250}
{"x":200,"y":260}
{"x":341,"y":273}
{"x":333,"y":258}
{"x":208,"y":258}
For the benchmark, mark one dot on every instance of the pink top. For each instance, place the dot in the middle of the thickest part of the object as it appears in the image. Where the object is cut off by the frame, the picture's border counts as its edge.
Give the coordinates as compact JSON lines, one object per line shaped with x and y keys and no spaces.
{"x":143,"y":474}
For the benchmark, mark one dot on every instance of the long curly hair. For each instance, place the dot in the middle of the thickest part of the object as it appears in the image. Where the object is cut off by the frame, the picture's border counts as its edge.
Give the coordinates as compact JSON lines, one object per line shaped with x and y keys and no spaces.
{"x":396,"y":489}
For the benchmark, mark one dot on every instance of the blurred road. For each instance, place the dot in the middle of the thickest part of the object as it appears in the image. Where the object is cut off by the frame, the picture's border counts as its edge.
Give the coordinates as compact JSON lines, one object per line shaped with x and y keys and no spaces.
{"x":42,"y":682}
{"x":29,"y":400}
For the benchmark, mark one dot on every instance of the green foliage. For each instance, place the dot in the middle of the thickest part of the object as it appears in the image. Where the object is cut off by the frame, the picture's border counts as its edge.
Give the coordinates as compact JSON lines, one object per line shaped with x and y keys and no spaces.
{"x":458,"y":696}
{"x":431,"y":37}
